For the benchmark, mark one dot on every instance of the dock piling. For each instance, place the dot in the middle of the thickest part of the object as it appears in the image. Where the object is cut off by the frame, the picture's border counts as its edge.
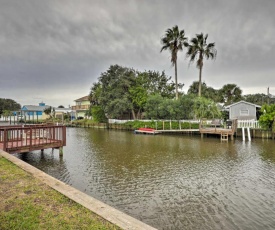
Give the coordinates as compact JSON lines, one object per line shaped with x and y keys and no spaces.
{"x":60,"y":151}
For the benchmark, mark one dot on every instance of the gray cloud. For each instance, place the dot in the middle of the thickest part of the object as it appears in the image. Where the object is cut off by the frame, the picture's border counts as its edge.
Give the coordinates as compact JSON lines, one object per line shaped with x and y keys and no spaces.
{"x":55,"y":50}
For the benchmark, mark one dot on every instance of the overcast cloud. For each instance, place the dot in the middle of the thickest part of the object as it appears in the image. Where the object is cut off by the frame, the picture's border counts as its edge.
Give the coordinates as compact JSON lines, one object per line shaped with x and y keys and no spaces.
{"x":53,"y":51}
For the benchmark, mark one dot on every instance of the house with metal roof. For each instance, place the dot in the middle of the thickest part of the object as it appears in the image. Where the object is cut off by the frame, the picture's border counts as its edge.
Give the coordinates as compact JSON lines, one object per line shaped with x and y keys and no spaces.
{"x":81,"y":106}
{"x":243,"y":110}
{"x":29,"y":112}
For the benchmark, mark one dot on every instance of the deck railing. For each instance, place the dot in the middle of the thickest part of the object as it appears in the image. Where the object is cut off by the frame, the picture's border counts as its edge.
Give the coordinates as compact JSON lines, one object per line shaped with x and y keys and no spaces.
{"x":31,"y":137}
{"x":80,"y":107}
{"x":249,"y":124}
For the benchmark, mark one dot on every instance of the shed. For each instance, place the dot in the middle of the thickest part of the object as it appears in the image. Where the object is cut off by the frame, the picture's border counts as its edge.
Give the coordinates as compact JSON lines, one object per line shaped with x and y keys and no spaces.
{"x":242,"y":110}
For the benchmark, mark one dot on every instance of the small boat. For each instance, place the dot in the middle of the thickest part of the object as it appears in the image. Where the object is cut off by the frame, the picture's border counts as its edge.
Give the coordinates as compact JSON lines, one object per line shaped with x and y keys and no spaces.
{"x":146,"y":131}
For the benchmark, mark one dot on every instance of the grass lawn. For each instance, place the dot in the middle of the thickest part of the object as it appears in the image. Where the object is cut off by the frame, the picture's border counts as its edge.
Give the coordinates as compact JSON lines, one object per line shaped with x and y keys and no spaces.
{"x":28,"y":203}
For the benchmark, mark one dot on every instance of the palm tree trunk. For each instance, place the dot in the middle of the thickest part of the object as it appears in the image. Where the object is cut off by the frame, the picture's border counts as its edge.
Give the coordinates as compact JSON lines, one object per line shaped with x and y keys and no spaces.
{"x":200,"y":82}
{"x":176,"y":80}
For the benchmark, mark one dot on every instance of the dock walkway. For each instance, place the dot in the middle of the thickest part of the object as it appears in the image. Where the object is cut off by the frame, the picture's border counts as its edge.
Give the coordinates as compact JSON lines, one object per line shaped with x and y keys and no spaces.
{"x":159,"y":131}
{"x":224,"y":132}
{"x":26,"y":138}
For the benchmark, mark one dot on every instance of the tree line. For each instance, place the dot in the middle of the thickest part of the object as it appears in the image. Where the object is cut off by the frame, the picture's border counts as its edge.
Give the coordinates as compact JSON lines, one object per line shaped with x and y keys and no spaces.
{"x":150,"y":94}
{"x":7,"y":106}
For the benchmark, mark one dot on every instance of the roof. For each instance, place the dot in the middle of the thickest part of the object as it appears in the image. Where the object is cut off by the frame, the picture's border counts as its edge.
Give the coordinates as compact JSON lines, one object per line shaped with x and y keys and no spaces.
{"x":64,"y":110}
{"x":85,"y":98}
{"x":35,"y":108}
{"x":239,"y":102}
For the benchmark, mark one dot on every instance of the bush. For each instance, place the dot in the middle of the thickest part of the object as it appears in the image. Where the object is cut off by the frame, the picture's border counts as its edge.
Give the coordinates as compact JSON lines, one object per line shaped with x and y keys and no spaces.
{"x":98,"y":114}
{"x":268,"y":116}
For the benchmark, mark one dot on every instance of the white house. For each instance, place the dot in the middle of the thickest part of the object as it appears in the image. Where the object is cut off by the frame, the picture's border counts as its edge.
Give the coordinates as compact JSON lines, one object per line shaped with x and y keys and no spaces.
{"x":242,"y":110}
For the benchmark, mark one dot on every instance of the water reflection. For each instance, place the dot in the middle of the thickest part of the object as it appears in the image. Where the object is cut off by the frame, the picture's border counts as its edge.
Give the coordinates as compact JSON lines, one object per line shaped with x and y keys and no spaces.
{"x":171,"y":182}
{"x":48,"y":162}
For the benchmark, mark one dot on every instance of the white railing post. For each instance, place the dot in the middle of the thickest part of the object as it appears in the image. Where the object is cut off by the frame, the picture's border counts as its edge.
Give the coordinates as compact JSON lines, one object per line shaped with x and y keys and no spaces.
{"x":248,"y":134}
{"x":248,"y":124}
{"x":243,"y":133}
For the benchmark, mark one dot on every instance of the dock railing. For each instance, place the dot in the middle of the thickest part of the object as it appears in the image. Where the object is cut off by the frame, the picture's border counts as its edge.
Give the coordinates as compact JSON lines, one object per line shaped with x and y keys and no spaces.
{"x":19,"y":138}
{"x":249,"y":124}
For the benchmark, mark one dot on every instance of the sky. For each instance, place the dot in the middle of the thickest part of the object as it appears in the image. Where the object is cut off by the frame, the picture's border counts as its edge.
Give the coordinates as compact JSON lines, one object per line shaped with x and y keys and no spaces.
{"x":53,"y":51}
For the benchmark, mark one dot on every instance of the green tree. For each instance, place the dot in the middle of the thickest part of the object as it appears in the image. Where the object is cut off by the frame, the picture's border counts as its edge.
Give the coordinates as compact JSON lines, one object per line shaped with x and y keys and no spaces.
{"x":199,"y":49}
{"x":267,"y":118}
{"x":230,"y":93}
{"x":173,"y":41}
{"x":158,"y":107}
{"x":49,"y":111}
{"x":206,"y":91}
{"x":186,"y":107}
{"x":205,"y":108}
{"x":158,"y":83}
{"x":8,"y":104}
{"x":150,"y":83}
{"x":258,"y":98}
{"x":7,"y":114}
{"x":114,"y":95}
{"x":122,"y":90}
{"x":98,"y":114}
{"x":95,"y":93}
{"x":153,"y":106}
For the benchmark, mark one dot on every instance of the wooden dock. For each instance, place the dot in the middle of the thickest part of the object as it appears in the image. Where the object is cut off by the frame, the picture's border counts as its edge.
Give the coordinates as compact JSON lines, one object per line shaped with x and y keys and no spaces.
{"x":160,"y":131}
{"x":26,"y":138}
{"x":224,"y":132}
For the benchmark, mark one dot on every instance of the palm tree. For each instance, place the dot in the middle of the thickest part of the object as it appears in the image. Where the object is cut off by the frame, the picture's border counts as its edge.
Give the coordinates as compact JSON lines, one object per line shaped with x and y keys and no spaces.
{"x":198,"y":48}
{"x":174,"y":41}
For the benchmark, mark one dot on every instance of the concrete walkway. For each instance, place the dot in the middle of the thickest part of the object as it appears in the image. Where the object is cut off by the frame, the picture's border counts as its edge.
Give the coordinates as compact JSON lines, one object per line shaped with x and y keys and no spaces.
{"x":109,"y":213}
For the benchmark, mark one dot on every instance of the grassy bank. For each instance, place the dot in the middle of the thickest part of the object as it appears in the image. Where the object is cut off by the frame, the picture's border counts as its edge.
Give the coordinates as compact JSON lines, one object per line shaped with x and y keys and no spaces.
{"x":28,"y":203}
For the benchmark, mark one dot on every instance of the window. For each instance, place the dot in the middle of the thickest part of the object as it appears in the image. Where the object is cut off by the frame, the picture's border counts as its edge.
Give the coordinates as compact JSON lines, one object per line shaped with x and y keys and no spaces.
{"x":244,"y":112}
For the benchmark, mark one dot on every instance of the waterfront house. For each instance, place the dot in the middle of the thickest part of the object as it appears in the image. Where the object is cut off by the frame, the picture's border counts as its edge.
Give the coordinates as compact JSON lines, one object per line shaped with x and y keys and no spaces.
{"x":81,"y":106}
{"x":29,"y":112}
{"x":243,"y":110}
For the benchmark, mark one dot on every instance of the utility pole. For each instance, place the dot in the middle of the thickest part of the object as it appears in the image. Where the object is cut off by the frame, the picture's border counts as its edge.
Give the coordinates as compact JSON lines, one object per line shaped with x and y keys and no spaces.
{"x":268,"y":95}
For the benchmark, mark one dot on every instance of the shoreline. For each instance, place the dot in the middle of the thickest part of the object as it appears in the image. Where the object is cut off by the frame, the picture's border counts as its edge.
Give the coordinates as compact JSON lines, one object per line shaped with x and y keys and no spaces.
{"x":105,"y":211}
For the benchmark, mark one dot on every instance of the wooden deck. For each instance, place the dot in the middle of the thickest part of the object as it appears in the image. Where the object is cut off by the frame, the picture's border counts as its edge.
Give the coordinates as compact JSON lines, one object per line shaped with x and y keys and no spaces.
{"x":26,"y":138}
{"x":224,"y":132}
{"x":160,"y":131}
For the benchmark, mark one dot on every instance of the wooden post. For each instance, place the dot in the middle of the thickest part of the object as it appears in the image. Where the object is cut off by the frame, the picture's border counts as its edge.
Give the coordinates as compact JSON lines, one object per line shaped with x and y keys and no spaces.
{"x":5,"y":140}
{"x":30,"y":138}
{"x":61,"y":151}
{"x":64,"y":135}
{"x":53,"y":137}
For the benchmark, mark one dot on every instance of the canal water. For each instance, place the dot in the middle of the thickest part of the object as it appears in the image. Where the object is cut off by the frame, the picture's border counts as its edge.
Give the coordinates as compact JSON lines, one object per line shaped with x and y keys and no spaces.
{"x":170,"y":182}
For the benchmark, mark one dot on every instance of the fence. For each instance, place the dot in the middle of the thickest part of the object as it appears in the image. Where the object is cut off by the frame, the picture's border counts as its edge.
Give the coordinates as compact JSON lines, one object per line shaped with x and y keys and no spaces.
{"x":116,"y":121}
{"x":241,"y":123}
